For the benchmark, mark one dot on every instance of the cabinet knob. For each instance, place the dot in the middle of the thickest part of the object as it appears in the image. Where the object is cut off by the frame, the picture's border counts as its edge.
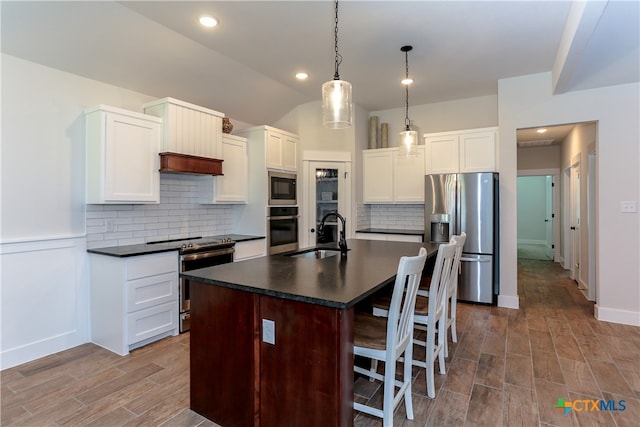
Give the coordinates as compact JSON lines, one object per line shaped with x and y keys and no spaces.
{"x":313,"y":230}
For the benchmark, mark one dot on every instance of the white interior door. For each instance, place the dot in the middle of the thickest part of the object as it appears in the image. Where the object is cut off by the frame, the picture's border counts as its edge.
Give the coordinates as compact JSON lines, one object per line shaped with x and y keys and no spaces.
{"x":575,"y":221}
{"x":327,"y":185}
{"x":549,"y":217}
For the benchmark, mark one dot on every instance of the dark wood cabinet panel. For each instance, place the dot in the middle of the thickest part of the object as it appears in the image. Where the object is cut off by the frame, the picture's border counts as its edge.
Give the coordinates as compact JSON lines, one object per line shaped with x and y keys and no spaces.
{"x":223,"y":358}
{"x":305,"y":378}
{"x":307,"y":375}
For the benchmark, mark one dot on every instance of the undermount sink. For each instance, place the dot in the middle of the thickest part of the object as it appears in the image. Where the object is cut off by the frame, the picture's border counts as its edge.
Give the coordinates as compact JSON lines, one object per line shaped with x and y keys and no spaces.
{"x":316,"y":253}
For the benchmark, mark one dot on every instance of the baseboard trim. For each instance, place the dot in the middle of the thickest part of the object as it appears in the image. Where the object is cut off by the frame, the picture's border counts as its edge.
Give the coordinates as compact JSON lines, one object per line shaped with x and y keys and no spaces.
{"x":617,"y":316}
{"x":509,"y":301}
{"x":31,"y":351}
{"x":532,"y":242}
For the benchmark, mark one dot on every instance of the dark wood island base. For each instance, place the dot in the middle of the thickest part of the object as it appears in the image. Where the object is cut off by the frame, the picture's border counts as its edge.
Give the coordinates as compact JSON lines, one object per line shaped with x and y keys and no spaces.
{"x":306,"y":378}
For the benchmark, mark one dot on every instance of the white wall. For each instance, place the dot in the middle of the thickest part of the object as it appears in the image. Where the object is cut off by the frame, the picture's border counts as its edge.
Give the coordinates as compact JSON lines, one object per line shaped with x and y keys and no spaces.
{"x":44,"y":277}
{"x":44,"y":304}
{"x":461,"y":114}
{"x":527,"y":101}
{"x":532,"y":209}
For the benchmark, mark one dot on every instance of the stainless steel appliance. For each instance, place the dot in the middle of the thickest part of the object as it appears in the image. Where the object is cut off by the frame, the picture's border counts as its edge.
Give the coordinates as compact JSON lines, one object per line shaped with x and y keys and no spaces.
{"x":197,"y":252}
{"x":282,"y":229}
{"x":282,"y":188}
{"x":467,"y":202}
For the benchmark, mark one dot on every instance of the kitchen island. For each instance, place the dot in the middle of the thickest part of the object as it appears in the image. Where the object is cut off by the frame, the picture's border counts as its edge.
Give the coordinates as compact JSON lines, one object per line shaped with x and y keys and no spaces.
{"x":272,"y":337}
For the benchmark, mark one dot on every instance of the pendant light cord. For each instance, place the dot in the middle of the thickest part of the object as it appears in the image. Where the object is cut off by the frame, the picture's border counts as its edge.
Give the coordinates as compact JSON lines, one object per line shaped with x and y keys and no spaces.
{"x":407,"y":122}
{"x":336,"y":76}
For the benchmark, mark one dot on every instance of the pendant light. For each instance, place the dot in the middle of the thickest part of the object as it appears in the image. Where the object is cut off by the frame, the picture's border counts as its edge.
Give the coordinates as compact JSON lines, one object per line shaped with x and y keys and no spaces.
{"x":336,"y":95}
{"x":408,"y":137}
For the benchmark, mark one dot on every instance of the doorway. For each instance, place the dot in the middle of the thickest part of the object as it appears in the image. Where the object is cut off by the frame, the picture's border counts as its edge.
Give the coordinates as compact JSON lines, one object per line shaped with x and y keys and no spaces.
{"x":327,"y":184}
{"x":537,"y":224}
{"x":571,"y":150}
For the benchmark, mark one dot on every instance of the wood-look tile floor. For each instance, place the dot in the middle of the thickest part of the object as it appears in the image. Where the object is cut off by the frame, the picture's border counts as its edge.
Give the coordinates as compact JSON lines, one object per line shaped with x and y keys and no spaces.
{"x":509,"y":367}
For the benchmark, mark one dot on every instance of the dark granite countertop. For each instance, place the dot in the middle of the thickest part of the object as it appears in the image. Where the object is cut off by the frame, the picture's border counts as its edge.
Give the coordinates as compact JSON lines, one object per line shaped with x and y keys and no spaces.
{"x":391,"y":231}
{"x":334,"y":281}
{"x":146,"y":249}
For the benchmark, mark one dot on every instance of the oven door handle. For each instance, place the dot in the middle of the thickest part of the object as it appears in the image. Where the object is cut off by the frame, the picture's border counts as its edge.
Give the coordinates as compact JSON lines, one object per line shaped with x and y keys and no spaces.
{"x":208,"y":254}
{"x":271,"y":218}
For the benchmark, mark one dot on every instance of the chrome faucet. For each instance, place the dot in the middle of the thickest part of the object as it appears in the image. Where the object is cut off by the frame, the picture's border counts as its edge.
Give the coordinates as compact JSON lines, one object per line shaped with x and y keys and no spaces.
{"x":342,"y":243}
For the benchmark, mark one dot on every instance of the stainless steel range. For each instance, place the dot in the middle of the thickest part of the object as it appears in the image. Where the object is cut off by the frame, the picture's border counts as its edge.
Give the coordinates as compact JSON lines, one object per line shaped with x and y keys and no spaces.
{"x":197,"y":252}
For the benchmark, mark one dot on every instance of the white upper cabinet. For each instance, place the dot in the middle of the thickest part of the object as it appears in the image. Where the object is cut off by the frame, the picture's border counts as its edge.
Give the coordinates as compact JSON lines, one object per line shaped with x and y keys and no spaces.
{"x":472,"y":150}
{"x":408,"y":177}
{"x":377,"y":175}
{"x":279,"y":148}
{"x":282,"y":150}
{"x":233,"y":186}
{"x":389,"y":177}
{"x":188,"y":128}
{"x":122,"y":156}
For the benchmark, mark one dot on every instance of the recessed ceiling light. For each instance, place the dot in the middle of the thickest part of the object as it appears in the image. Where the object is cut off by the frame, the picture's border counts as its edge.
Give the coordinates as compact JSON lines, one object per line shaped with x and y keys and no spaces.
{"x":301,"y":76}
{"x":541,"y":130}
{"x":208,"y":21}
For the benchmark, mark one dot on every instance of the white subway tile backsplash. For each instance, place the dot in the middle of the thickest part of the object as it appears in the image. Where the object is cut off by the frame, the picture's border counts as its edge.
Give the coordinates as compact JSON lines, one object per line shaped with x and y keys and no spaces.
{"x":399,"y":217}
{"x":178,"y":215}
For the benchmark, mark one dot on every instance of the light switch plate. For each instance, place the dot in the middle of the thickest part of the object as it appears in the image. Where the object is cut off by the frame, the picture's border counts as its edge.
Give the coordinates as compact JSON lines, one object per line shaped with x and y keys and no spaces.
{"x":628,"y":206}
{"x":269,"y":331}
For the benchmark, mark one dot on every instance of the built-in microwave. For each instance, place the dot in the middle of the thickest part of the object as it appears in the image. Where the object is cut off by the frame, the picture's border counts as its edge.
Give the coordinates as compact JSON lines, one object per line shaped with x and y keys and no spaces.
{"x":282,"y":188}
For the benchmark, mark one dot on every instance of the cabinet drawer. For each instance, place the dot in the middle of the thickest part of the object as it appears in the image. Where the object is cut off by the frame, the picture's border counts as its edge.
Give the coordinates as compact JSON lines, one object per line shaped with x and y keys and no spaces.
{"x":148,"y":323}
{"x":150,"y":291}
{"x":151,"y":265}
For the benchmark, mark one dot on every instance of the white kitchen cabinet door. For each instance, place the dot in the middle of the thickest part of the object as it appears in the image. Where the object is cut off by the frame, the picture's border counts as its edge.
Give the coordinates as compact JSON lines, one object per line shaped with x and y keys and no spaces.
{"x":408,"y":177}
{"x":478,"y":152}
{"x":274,"y":150}
{"x":377,"y":178}
{"x":233,"y":186}
{"x":122,"y":156}
{"x":281,"y":151}
{"x":289,"y":153}
{"x":441,"y":154}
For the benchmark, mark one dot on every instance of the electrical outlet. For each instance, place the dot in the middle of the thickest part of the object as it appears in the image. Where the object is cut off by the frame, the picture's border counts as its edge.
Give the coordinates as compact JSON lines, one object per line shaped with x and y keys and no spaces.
{"x":628,"y":206}
{"x":109,"y":225}
{"x":269,"y":331}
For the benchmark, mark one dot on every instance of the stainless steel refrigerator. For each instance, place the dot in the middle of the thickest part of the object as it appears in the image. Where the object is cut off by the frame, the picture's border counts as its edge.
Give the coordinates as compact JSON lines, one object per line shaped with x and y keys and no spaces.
{"x":467,"y":202}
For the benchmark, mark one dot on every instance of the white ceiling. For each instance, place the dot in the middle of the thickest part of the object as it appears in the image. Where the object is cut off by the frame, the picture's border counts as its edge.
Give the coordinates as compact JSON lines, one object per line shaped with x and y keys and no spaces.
{"x":245,"y":66}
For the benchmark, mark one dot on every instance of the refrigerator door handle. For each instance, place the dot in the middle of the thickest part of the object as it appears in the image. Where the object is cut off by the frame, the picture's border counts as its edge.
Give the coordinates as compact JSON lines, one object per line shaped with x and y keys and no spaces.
{"x":475,"y":259}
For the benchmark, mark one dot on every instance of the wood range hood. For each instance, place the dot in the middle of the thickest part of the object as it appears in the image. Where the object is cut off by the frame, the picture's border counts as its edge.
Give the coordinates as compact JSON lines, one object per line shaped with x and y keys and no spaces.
{"x":188,"y":164}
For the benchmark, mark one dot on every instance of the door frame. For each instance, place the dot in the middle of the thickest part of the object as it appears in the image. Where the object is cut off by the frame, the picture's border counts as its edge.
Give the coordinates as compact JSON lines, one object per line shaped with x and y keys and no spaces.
{"x":338,"y":157}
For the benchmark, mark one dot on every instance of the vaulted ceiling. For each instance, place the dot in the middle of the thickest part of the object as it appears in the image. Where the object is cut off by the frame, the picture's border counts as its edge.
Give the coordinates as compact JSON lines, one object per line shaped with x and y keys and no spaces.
{"x":245,"y":66}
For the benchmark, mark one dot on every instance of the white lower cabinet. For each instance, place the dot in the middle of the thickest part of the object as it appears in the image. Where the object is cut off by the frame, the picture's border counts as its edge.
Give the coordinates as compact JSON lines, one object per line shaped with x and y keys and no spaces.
{"x":389,"y":237}
{"x":250,"y":249}
{"x":134,"y":300}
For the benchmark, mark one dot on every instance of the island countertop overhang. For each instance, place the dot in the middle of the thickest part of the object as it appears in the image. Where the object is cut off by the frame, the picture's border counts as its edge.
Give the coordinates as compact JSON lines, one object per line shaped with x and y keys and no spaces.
{"x":338,"y":282}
